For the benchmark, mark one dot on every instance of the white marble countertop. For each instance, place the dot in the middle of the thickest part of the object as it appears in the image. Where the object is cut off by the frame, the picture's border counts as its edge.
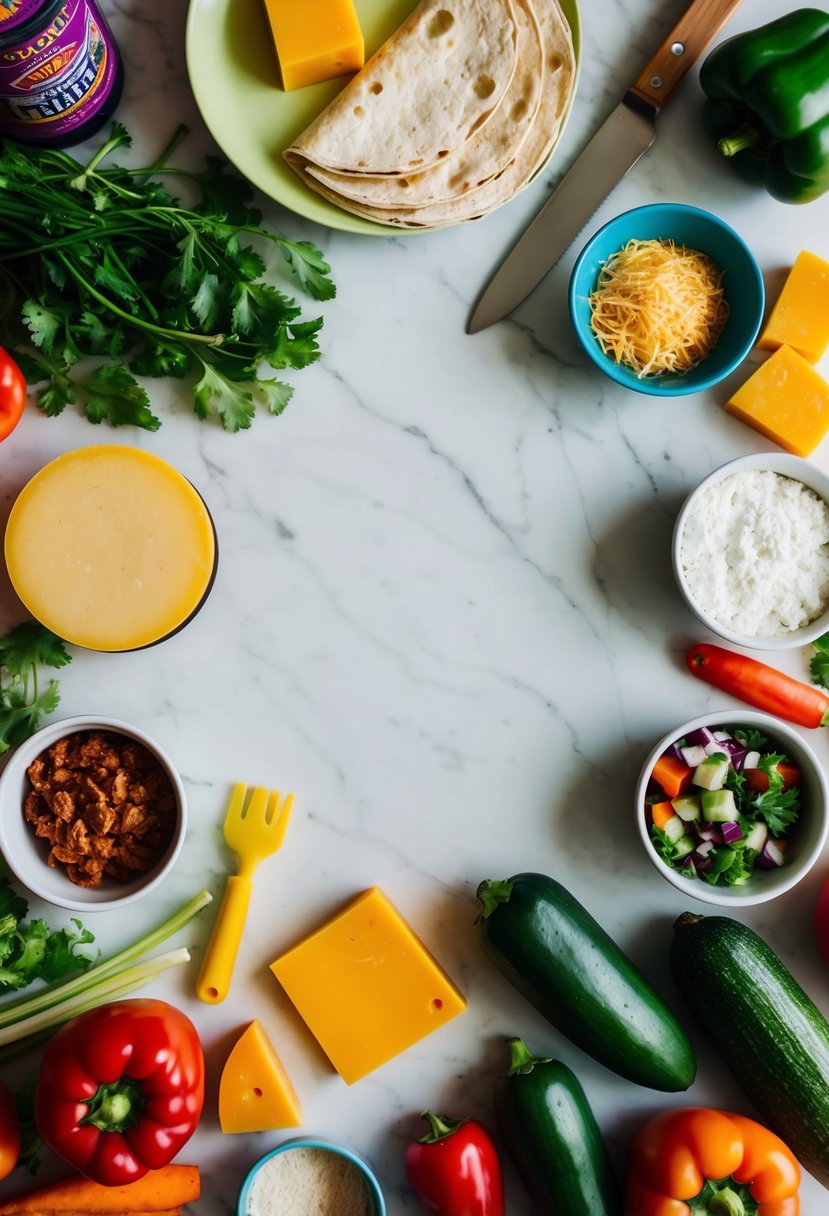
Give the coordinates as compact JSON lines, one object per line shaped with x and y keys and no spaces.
{"x":444,"y":617}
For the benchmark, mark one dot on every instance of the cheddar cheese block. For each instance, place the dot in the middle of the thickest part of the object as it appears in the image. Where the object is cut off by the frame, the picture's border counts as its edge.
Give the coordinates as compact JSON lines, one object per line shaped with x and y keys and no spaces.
{"x":110,"y":547}
{"x":315,"y":40}
{"x":786,"y":400}
{"x":255,"y":1092}
{"x":366,"y":986}
{"x":800,"y":316}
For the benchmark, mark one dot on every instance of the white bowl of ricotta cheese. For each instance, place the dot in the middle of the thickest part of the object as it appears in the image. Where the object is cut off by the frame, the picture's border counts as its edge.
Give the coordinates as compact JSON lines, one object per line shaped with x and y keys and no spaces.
{"x":751,"y":551}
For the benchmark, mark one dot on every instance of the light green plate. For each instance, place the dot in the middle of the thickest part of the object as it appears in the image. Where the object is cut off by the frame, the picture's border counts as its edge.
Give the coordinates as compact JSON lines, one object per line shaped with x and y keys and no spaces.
{"x":233,"y":73}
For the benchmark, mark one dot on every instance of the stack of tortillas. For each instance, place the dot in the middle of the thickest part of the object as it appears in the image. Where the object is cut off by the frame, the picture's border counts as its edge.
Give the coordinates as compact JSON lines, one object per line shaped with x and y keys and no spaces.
{"x":450,"y":118}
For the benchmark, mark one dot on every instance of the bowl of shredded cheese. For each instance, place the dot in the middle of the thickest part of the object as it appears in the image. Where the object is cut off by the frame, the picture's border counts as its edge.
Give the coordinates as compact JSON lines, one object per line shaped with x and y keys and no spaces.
{"x":666,"y":299}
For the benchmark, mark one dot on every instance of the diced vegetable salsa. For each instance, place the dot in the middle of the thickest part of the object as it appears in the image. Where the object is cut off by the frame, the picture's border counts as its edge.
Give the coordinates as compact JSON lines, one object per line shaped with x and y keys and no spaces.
{"x":721,"y":804}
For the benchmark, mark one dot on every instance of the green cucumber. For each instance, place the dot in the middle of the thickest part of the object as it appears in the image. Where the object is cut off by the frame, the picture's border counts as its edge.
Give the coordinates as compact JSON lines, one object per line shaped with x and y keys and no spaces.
{"x":551,"y":1132}
{"x":550,"y":947}
{"x":768,"y":1030}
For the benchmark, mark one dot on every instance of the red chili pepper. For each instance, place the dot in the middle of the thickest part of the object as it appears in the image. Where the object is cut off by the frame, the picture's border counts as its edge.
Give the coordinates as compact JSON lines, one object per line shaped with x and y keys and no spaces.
{"x":454,"y":1169}
{"x":121,"y":1089}
{"x":822,"y":921}
{"x":759,"y":685}
{"x":12,"y":394}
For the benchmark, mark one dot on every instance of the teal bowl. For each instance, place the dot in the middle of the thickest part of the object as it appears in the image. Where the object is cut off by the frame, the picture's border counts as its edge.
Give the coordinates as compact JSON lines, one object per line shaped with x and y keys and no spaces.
{"x":378,"y":1203}
{"x":697,"y":229}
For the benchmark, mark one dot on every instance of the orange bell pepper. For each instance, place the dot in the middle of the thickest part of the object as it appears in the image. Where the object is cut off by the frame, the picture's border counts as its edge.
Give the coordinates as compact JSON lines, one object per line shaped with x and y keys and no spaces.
{"x":728,"y":1164}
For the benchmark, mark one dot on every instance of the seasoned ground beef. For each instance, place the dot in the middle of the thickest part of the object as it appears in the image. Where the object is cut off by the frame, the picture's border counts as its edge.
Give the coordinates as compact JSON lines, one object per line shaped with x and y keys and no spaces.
{"x":105,"y":805}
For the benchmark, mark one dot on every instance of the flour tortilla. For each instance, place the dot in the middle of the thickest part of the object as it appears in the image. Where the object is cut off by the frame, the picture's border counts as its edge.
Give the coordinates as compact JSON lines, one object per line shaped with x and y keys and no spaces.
{"x":480,"y":158}
{"x":474,"y":194}
{"x":428,"y":88}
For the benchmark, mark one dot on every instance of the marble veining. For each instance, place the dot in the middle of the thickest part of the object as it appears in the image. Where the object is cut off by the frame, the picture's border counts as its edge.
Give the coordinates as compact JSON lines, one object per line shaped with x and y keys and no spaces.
{"x":444,"y":617}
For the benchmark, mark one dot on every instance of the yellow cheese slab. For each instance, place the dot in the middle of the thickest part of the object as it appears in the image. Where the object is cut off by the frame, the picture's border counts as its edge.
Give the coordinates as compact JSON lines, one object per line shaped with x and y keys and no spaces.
{"x":800,"y":316}
{"x":315,"y":40}
{"x":786,"y":400}
{"x":110,"y":547}
{"x":255,"y":1092}
{"x":366,"y":986}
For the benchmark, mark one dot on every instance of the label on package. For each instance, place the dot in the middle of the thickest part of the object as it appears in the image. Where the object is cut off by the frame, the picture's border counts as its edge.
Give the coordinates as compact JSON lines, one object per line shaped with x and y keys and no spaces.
{"x":59,"y":77}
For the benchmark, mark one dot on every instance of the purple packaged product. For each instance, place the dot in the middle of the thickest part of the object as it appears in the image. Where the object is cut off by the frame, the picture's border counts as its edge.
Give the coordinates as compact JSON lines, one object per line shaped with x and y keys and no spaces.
{"x":60,"y":71}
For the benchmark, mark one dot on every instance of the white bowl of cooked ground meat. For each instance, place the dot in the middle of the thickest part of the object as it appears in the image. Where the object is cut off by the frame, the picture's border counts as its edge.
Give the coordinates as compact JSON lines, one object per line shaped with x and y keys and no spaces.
{"x":92,"y":813}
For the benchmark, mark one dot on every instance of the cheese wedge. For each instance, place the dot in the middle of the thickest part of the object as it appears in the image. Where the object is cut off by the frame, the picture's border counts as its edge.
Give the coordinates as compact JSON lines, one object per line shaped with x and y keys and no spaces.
{"x":366,"y":986}
{"x":800,"y":316}
{"x":255,"y":1093}
{"x":110,"y":547}
{"x":315,"y":40}
{"x":786,"y":400}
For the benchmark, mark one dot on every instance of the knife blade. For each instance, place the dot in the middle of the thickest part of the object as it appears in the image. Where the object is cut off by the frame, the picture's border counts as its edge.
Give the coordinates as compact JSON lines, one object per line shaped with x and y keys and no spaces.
{"x":624,"y":136}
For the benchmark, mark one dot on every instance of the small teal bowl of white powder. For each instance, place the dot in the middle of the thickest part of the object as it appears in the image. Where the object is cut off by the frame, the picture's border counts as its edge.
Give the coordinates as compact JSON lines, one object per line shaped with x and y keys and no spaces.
{"x":308,"y":1177}
{"x":751,"y":551}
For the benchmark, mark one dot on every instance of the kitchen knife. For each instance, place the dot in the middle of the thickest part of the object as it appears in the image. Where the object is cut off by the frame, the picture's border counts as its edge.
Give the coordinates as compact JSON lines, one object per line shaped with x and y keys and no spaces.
{"x":615,"y":148}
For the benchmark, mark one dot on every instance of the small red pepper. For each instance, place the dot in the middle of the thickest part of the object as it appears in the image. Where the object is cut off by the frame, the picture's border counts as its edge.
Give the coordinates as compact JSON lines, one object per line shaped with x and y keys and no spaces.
{"x":759,"y":685}
{"x":121,"y":1089}
{"x":454,"y":1169}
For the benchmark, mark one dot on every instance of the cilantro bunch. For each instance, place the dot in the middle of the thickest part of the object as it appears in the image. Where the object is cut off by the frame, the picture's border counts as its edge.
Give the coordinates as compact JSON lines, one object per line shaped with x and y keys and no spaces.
{"x":23,"y":702}
{"x":102,"y":261}
{"x":31,"y":950}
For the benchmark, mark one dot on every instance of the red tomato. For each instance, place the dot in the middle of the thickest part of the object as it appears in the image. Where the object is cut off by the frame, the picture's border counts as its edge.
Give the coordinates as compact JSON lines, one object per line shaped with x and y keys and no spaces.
{"x":822,"y":921}
{"x":9,"y":1132}
{"x":12,"y":394}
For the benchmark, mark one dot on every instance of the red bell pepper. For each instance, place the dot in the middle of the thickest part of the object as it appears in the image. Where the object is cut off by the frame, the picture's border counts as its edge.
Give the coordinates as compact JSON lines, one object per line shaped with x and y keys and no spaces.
{"x":121,"y":1089}
{"x":10,"y":1137}
{"x":454,"y":1169}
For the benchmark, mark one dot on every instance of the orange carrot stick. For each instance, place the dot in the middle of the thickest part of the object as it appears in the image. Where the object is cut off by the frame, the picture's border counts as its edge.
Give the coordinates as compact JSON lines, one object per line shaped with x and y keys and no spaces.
{"x":159,"y":1191}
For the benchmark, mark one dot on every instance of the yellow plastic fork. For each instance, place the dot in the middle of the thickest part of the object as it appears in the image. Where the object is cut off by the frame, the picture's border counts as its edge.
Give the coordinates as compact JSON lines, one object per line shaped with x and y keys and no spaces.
{"x":253,"y":830}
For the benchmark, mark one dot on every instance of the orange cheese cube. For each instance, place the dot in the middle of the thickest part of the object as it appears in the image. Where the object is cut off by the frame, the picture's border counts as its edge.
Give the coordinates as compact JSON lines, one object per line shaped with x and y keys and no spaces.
{"x":255,"y":1093}
{"x":315,"y":40}
{"x":800,"y":317}
{"x":786,"y":400}
{"x":366,"y":986}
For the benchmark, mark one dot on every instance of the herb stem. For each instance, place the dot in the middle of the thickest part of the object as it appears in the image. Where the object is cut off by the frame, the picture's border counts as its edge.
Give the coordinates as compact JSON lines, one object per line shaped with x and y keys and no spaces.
{"x":137,"y":322}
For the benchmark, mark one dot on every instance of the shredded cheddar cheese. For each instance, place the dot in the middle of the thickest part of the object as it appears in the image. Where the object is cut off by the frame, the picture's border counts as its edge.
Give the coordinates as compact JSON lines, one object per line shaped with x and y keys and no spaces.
{"x":658,"y":307}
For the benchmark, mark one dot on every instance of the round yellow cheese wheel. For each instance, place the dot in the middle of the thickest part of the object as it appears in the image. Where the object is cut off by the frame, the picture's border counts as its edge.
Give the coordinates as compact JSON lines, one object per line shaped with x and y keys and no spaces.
{"x":110,"y":547}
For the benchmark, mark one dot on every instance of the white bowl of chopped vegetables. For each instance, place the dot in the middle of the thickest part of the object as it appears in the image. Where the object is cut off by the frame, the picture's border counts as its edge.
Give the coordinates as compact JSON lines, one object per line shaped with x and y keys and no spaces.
{"x":732,"y":807}
{"x":750,"y":551}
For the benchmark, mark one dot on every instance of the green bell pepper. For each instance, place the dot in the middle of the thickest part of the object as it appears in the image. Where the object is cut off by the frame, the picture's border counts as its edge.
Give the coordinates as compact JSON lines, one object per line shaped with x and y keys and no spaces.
{"x":767,"y":104}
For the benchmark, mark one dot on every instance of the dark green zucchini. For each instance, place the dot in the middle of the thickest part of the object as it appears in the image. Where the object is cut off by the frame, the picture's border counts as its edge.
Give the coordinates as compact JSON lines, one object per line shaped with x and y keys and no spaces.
{"x":768,"y":1030}
{"x":553,"y":1138}
{"x":550,"y":947}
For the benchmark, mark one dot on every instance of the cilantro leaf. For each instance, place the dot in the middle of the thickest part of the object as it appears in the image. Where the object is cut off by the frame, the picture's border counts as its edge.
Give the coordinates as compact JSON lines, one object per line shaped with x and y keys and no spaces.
{"x":233,"y":404}
{"x":294,"y":345}
{"x":309,"y":267}
{"x":33,"y":950}
{"x":779,"y":809}
{"x":23,"y":650}
{"x":28,"y":644}
{"x":111,"y":393}
{"x":275,"y":394}
{"x":819,"y":663}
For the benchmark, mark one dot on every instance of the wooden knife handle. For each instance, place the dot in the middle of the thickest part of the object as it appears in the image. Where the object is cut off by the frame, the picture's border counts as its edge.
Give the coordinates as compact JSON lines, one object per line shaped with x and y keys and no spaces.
{"x":687,"y":41}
